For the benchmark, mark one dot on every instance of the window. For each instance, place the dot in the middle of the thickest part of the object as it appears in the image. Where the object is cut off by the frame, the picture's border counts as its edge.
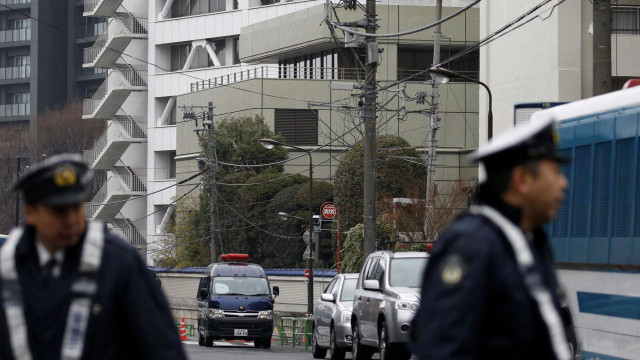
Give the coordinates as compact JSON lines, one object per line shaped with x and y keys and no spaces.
{"x":220,"y":51}
{"x":412,"y":60}
{"x":165,"y":164}
{"x":329,"y":287}
{"x":181,"y":8}
{"x":298,"y":126}
{"x":18,"y":61}
{"x":21,"y":24}
{"x":625,"y":20}
{"x":21,"y":98}
{"x":371,"y":271}
{"x":180,"y":54}
{"x":236,"y":50}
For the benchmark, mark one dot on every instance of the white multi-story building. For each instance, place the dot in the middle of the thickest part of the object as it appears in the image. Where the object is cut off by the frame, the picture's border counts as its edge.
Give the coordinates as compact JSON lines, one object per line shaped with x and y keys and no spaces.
{"x":121,"y":99}
{"x":192,"y":42}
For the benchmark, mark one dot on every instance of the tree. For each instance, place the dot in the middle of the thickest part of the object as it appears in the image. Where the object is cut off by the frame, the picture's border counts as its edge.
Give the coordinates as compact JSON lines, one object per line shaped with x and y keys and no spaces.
{"x":395,"y":176}
{"x":351,"y":251}
{"x":61,"y":130}
{"x":412,"y":220}
{"x":251,"y":189}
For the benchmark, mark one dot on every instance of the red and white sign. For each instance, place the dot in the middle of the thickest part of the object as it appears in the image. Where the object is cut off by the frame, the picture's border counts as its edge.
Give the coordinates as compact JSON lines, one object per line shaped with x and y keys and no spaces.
{"x":328,"y":211}
{"x":306,"y":273}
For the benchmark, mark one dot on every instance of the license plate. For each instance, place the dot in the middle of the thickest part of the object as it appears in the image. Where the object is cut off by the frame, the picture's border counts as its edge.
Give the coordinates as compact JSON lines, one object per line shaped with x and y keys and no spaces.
{"x":240,"y":332}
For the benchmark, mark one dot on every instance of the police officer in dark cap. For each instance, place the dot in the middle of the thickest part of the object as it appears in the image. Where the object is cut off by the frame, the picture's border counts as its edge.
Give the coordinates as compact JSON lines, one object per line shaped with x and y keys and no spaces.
{"x":69,"y":289}
{"x":489,"y":290}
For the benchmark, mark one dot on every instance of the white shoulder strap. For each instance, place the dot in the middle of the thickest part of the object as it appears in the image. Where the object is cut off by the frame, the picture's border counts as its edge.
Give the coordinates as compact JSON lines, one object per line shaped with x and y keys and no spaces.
{"x":532,"y":279}
{"x":12,"y":297}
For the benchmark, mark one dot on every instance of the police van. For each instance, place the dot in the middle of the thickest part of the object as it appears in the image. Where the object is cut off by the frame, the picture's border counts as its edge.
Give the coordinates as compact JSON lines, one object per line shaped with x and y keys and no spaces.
{"x":235,"y":302}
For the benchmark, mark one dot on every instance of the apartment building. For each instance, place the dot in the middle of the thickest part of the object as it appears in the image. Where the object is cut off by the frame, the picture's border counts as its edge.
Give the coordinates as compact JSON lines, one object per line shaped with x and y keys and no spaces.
{"x":40,"y":42}
{"x":121,"y":98}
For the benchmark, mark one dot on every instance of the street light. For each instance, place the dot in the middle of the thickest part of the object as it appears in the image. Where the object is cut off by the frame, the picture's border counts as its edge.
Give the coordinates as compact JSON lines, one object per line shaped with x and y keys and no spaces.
{"x":269,"y":144}
{"x":442,"y":76}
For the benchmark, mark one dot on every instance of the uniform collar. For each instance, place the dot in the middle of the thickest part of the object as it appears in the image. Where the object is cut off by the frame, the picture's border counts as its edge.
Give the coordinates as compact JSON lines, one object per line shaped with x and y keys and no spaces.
{"x":514,"y":214}
{"x":44,"y":255}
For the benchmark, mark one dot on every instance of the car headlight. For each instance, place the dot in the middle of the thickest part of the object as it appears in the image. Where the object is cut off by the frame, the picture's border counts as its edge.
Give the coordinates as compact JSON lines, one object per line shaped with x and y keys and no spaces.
{"x":265,"y":314}
{"x":408,"y":302}
{"x":215,"y":313}
{"x":346,"y":316}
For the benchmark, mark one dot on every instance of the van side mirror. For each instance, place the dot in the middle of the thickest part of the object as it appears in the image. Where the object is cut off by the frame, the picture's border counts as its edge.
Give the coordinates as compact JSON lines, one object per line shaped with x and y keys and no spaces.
{"x":371,"y":285}
{"x":203,"y":293}
{"x":276,"y":291}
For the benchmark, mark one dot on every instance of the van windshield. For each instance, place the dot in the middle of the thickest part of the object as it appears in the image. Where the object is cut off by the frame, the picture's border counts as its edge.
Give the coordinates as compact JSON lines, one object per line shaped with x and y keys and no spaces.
{"x":248,"y":286}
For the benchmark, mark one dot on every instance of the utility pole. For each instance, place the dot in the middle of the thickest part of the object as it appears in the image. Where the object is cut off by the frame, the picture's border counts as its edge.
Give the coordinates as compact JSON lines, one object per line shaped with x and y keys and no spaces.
{"x":434,"y":121}
{"x":370,"y":96}
{"x":213,"y":195}
{"x":602,"y":80}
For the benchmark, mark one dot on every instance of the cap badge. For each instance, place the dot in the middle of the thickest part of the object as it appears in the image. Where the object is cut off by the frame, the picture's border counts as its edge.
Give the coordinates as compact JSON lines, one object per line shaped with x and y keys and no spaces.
{"x":241,"y":308}
{"x":65,"y":176}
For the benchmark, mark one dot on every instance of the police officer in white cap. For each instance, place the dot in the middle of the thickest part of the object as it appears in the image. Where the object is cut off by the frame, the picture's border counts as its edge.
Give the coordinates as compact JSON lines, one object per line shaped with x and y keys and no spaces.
{"x":69,"y":289}
{"x":489,"y":290}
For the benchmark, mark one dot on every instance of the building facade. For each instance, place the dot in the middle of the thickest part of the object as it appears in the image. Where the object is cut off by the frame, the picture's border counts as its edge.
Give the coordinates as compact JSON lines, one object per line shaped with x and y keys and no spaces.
{"x":40,"y":45}
{"x":121,"y":98}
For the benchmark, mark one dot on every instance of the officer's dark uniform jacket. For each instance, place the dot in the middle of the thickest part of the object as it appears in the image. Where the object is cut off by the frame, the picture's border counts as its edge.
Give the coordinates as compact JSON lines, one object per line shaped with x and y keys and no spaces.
{"x":488,"y":313}
{"x":130,"y":318}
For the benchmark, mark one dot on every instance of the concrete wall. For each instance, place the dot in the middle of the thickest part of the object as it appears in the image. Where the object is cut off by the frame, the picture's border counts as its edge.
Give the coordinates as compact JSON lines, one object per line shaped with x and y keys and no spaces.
{"x":458,"y":132}
{"x":549,"y":59}
{"x":259,"y":44}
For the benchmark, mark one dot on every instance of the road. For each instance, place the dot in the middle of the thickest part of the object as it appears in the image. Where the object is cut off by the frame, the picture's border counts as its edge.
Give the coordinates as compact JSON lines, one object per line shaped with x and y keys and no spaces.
{"x":246,"y":351}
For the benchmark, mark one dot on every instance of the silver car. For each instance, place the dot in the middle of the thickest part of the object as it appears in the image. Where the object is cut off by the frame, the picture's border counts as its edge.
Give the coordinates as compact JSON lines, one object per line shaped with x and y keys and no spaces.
{"x":331,"y":327}
{"x":386,"y":299}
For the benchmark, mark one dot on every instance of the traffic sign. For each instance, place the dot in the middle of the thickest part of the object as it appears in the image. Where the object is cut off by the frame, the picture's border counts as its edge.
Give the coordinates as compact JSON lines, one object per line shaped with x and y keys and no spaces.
{"x":306,"y":273}
{"x":328,"y":211}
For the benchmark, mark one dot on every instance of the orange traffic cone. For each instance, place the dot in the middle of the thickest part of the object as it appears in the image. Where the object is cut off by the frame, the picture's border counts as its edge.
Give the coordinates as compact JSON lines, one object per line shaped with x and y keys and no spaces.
{"x":183,"y":330}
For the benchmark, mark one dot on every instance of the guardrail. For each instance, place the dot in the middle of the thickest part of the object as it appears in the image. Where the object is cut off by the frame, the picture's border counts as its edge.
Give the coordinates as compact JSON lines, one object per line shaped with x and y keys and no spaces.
{"x":15,"y":72}
{"x":15,"y":109}
{"x":280,"y":72}
{"x":15,"y":35}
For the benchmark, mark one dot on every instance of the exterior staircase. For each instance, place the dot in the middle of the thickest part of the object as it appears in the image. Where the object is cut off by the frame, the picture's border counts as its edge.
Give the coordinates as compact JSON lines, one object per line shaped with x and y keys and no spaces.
{"x":113,"y":91}
{"x":120,"y":31}
{"x":114,"y":141}
{"x":100,"y":8}
{"x":121,"y":185}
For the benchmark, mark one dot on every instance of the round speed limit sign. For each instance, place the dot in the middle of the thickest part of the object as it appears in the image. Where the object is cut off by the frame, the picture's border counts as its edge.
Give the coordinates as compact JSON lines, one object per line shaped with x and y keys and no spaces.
{"x":328,"y":211}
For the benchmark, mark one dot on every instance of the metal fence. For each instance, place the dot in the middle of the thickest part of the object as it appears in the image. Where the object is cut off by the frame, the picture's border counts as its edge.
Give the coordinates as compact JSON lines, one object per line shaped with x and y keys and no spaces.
{"x":280,"y":72}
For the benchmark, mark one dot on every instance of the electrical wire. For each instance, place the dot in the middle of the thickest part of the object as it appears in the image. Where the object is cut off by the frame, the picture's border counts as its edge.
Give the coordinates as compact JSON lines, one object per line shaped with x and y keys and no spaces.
{"x":402,"y":33}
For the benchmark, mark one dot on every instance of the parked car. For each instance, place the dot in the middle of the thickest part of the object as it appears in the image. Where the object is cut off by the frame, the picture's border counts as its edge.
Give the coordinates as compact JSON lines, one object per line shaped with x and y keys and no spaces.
{"x":386,"y":299}
{"x":331,"y":327}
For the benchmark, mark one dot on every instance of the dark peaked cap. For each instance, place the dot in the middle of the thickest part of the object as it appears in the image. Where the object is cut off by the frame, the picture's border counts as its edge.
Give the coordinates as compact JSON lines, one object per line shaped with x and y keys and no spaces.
{"x":60,"y":180}
{"x":530,"y":141}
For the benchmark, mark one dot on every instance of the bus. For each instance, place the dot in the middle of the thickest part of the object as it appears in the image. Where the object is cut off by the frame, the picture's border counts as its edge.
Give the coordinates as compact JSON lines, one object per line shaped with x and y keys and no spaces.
{"x":596,"y":234}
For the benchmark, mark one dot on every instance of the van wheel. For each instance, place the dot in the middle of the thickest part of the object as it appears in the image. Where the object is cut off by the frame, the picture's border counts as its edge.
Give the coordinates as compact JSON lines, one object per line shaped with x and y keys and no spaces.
{"x":317,"y":351}
{"x":208,"y":342}
{"x":360,"y":352}
{"x":200,"y":339}
{"x":257,"y":343}
{"x":266,"y":343}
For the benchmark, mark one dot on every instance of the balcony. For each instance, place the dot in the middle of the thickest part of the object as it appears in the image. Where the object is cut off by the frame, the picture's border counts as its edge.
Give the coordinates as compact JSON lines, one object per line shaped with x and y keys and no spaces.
{"x":15,"y":72}
{"x":8,"y":36}
{"x":109,"y":148}
{"x":15,"y":110}
{"x":121,"y":30}
{"x":114,"y":193}
{"x":113,"y":92}
{"x":100,"y":8}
